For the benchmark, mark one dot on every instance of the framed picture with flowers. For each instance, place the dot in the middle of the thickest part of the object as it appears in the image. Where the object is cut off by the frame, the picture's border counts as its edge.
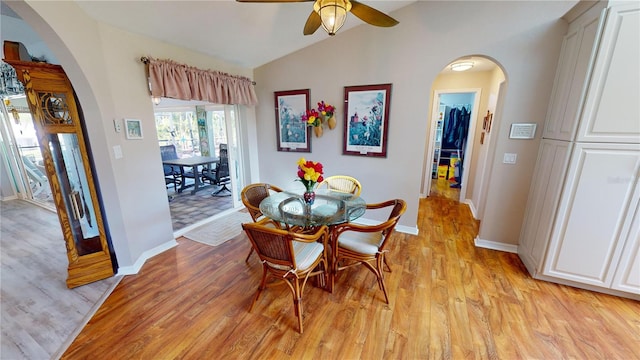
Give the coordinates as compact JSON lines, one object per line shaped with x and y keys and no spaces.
{"x":291,"y":129}
{"x":366,"y":120}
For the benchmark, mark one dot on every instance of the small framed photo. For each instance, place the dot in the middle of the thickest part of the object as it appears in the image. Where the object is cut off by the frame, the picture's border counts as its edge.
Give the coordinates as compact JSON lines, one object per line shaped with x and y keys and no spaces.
{"x":134,"y":129}
{"x":366,"y":122}
{"x":292,"y":132}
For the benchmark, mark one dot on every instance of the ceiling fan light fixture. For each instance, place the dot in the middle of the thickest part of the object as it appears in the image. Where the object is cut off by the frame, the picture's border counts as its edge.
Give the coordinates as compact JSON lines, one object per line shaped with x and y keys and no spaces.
{"x":333,"y":14}
{"x":462,"y":66}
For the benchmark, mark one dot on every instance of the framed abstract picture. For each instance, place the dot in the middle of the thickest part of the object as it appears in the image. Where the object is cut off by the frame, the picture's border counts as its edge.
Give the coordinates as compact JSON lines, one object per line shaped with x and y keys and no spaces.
{"x":293,"y":134}
{"x":366,"y":122}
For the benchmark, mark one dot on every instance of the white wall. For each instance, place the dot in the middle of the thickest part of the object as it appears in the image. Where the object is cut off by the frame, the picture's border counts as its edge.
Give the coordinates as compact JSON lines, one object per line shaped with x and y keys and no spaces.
{"x":103,"y":64}
{"x":524,"y":37}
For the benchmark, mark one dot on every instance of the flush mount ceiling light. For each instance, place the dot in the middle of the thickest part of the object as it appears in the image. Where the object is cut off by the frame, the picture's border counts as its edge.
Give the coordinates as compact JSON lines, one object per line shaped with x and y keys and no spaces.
{"x":333,"y":14}
{"x":462,"y":66}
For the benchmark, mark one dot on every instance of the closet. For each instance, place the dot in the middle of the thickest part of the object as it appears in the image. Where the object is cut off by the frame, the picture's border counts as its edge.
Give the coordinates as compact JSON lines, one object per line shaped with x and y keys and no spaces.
{"x":582,"y":224}
{"x":452,"y":128}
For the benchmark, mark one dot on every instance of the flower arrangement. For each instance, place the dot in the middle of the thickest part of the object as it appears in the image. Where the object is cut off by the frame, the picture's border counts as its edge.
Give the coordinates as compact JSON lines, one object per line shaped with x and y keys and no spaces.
{"x":309,"y":173}
{"x":325,"y":109}
{"x":312,"y":118}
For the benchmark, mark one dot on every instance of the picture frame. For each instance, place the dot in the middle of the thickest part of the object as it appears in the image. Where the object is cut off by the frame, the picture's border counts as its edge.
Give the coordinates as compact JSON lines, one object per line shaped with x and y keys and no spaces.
{"x":293,"y":134}
{"x":366,"y":120}
{"x":522,"y":131}
{"x":133,"y":129}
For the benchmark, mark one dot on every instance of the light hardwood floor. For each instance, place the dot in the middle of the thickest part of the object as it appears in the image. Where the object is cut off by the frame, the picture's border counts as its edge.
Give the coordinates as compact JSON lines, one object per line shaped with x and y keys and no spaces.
{"x":448,"y":300}
{"x":39,"y":314}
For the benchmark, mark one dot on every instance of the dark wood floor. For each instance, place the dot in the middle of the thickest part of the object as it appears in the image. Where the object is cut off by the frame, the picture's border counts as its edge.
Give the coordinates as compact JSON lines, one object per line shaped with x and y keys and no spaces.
{"x":448,"y":300}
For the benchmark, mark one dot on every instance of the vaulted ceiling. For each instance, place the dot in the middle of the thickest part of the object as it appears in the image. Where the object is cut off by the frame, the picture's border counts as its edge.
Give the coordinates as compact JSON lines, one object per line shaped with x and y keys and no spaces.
{"x":247,"y":34}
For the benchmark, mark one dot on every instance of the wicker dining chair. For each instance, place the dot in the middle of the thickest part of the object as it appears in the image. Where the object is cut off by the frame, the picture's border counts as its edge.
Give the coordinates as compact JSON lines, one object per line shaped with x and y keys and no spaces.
{"x":289,"y":256}
{"x":251,"y":197}
{"x":342,"y":183}
{"x":356,"y":244}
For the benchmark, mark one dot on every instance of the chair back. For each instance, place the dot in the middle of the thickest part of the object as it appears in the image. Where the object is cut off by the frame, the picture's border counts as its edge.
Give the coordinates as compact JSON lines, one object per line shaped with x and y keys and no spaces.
{"x":253,"y":194}
{"x":275,"y":246}
{"x":169,"y":152}
{"x":399,"y":207}
{"x":222,"y":169}
{"x":342,"y":183}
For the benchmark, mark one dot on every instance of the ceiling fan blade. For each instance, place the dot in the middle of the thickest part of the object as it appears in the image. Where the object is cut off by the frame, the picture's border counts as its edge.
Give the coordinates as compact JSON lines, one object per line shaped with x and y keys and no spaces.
{"x":313,"y":23}
{"x":371,"y":15}
{"x":272,"y":1}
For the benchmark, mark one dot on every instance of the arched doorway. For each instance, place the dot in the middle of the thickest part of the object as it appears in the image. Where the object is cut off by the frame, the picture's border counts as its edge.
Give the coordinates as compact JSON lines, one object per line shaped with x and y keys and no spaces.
{"x":476,"y":90}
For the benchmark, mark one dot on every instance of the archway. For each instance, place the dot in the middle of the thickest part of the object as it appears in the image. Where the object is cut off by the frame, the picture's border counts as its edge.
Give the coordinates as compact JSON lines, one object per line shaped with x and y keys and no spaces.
{"x":482,"y":84}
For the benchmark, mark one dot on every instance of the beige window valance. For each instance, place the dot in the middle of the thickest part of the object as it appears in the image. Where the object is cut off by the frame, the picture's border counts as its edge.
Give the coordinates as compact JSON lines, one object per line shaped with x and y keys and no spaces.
{"x":178,"y":81}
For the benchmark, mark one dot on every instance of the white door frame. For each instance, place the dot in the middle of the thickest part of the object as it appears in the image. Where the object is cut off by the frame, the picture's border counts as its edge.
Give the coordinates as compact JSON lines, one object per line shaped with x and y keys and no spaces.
{"x":236,"y":168}
{"x":468,"y":151}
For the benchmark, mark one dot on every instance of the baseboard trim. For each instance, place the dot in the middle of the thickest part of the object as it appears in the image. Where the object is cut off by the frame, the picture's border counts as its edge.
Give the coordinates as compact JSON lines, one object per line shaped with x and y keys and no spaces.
{"x":493,"y":245}
{"x":474,"y":212}
{"x":135,"y":268}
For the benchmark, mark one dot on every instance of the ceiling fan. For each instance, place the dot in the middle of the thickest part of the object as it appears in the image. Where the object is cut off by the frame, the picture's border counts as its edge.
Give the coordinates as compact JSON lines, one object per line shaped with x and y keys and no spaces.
{"x":331,"y":14}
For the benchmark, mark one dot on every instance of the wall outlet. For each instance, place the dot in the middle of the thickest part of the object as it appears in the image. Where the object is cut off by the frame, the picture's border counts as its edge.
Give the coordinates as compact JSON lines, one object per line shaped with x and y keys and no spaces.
{"x":117,"y":152}
{"x":509,"y":158}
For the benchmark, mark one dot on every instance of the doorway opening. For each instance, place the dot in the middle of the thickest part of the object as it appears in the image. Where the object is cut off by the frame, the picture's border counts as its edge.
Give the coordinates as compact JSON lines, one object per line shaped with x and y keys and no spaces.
{"x":486,"y":79}
{"x":201,"y":129}
{"x":450,"y":150}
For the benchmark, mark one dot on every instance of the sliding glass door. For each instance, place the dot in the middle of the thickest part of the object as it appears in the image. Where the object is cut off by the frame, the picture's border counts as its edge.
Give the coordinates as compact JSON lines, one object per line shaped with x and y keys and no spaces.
{"x":21,"y":152}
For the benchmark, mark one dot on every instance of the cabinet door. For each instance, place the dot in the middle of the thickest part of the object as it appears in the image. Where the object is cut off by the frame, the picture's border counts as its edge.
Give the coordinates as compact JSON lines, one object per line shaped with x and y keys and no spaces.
{"x":544,"y":196}
{"x":627,"y":277}
{"x":571,"y":76}
{"x":611,"y":112}
{"x":594,"y":207}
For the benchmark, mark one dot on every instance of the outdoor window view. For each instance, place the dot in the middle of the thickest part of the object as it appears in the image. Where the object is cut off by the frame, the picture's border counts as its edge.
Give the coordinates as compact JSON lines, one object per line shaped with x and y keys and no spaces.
{"x":20,"y":140}
{"x":195,"y":154}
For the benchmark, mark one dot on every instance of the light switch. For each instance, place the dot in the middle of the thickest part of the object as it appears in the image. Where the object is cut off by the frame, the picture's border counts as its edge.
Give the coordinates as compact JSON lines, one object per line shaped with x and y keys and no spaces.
{"x":117,"y":152}
{"x":117,"y":124}
{"x":510,"y":158}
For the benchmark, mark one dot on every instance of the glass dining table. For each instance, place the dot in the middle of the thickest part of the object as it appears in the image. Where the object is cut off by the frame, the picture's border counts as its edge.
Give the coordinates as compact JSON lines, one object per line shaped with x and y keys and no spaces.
{"x":329,"y":208}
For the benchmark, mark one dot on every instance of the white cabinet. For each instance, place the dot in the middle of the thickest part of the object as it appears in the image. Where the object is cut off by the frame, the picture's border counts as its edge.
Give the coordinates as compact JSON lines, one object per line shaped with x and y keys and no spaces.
{"x":587,"y":239}
{"x":627,"y":276}
{"x":611,"y":112}
{"x":549,"y":173}
{"x":571,"y":76}
{"x":582,"y":225}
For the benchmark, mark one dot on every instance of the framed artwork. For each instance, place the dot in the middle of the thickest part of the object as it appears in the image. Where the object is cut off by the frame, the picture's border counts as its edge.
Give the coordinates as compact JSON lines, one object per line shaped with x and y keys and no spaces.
{"x":366,"y":122}
{"x":293,"y":134}
{"x":134,"y":129}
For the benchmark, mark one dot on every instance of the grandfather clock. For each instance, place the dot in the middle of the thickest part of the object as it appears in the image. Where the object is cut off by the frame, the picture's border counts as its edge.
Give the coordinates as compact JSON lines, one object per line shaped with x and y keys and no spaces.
{"x":59,"y":126}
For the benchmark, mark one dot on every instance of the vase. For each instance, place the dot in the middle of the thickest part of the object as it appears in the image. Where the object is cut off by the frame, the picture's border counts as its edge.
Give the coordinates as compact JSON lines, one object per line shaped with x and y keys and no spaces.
{"x":318,"y":130}
{"x":331,"y":122}
{"x":309,"y":197}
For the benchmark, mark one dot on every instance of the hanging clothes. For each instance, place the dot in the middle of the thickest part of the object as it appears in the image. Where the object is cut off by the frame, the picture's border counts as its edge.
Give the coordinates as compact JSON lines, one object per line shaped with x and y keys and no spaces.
{"x":462,"y":129}
{"x":456,"y":128}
